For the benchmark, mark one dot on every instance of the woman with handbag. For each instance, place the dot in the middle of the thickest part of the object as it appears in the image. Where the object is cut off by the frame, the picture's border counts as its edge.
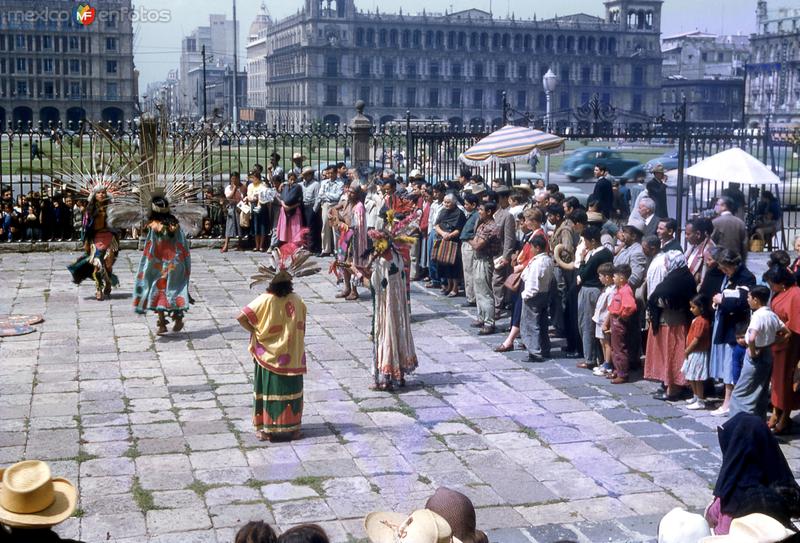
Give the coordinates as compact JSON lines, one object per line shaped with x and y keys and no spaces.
{"x":446,"y":249}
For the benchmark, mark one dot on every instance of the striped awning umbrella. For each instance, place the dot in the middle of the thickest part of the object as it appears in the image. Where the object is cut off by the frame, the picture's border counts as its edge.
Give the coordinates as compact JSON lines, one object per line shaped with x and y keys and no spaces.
{"x":508,"y":144}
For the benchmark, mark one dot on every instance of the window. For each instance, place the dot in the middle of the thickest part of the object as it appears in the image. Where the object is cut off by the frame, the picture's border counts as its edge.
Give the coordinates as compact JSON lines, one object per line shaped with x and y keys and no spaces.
{"x":388,"y":96}
{"x":22,"y":66}
{"x":586,"y":74}
{"x":331,"y":67}
{"x":637,"y":103}
{"x":522,"y":72}
{"x":456,"y":71}
{"x":359,"y":37}
{"x":388,"y":69}
{"x":455,"y":98}
{"x":363,"y":68}
{"x":111,"y":66}
{"x":47,"y":42}
{"x":477,"y":98}
{"x":522,"y":99}
{"x":411,"y":97}
{"x":111,"y":22}
{"x":563,"y":76}
{"x":411,"y":69}
{"x":433,"y":98}
{"x":607,"y":75}
{"x":111,"y":44}
{"x":21,"y":42}
{"x":501,"y":72}
{"x":74,"y":89}
{"x":364,"y":94}
{"x":111,"y":91}
{"x":48,"y":89}
{"x":47,"y":65}
{"x":478,"y":71}
{"x":704,"y":56}
{"x":720,"y":57}
{"x":433,"y":69}
{"x":74,"y":66}
{"x":498,"y":99}
{"x":22,"y":88}
{"x":331,"y":95}
{"x":638,"y":75}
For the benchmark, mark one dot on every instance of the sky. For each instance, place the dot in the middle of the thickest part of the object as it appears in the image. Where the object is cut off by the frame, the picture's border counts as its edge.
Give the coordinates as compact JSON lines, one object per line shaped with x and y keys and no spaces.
{"x":157,"y":45}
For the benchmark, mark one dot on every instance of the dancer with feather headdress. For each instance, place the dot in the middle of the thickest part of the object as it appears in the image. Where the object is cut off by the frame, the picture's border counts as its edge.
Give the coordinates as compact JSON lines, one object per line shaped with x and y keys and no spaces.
{"x":162,"y":282}
{"x":276,"y":321}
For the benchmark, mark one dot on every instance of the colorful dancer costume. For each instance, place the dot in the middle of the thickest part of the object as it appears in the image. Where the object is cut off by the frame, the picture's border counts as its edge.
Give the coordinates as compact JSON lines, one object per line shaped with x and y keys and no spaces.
{"x":162,"y":283}
{"x":276,"y":321}
{"x":395,"y":355}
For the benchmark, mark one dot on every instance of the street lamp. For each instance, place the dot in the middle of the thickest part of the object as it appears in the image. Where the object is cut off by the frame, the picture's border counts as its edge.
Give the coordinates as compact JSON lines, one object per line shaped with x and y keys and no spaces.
{"x":549,"y":82}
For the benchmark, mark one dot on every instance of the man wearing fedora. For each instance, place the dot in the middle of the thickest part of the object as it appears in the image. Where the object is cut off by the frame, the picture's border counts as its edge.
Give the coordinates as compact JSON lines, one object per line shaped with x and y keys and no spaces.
{"x":657,"y":190}
{"x":32,"y":502}
{"x":297,"y":163}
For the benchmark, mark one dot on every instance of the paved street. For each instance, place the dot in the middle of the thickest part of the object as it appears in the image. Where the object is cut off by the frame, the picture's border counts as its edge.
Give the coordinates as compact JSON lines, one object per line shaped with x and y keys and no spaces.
{"x":156,"y":431}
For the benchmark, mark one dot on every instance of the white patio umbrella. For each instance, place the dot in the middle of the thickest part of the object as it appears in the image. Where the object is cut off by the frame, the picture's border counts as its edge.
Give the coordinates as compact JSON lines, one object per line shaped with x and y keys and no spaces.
{"x":508,"y":144}
{"x":734,"y":166}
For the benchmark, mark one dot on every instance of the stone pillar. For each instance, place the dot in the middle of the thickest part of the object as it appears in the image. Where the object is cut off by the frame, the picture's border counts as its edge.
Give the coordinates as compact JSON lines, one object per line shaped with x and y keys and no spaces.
{"x":361,"y":127}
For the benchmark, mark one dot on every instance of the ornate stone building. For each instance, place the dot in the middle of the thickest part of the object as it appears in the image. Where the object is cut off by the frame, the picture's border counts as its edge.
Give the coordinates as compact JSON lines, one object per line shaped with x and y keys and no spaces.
{"x":455,"y":66}
{"x":54,"y":68}
{"x":709,"y":71}
{"x":772,"y":84}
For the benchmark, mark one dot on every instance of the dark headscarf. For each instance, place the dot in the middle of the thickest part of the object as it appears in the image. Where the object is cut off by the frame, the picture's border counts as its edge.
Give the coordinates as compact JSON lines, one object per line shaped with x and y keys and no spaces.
{"x":674,"y":292}
{"x":754,"y":477}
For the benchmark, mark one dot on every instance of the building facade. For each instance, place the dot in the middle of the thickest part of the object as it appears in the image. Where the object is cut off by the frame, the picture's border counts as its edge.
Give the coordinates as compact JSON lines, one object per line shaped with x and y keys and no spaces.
{"x":455,"y":66}
{"x":772,"y":86}
{"x":54,"y":68}
{"x":708,"y":70}
{"x":218,"y":39}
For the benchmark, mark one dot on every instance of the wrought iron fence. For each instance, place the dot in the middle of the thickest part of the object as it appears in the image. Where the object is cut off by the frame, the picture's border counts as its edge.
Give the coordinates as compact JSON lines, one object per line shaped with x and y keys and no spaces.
{"x":32,"y":160}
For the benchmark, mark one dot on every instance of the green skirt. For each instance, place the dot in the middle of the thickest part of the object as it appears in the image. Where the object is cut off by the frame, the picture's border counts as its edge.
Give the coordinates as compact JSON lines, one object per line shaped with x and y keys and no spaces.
{"x":277,"y":401}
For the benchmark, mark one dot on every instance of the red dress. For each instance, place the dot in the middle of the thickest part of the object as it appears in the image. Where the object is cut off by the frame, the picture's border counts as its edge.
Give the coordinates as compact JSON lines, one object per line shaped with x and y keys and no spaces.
{"x":785,"y":356}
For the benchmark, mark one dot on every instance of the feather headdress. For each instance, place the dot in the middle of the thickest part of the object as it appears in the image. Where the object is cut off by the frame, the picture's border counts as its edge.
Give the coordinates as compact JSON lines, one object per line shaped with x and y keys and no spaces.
{"x":133,"y":181}
{"x":288,"y":261}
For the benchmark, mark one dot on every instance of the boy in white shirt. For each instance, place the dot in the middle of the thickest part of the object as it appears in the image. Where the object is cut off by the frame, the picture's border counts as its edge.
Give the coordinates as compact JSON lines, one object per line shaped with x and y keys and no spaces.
{"x":606,"y":273}
{"x":751,"y":393}
{"x":537,"y":278}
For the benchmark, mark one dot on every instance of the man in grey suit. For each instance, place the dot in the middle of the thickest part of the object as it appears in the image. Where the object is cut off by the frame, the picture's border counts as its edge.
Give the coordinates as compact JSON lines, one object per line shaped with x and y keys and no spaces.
{"x":730,"y":231}
{"x":508,"y":234}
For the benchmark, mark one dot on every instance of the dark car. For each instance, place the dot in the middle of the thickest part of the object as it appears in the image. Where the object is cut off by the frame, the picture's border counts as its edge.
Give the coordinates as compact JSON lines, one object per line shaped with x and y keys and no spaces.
{"x":580,"y":164}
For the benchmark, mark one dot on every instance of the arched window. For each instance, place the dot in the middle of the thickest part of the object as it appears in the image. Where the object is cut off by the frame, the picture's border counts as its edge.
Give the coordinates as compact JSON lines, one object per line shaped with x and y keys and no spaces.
{"x":495,"y":41}
{"x":370,"y":37}
{"x":462,"y":40}
{"x":612,"y":45}
{"x":560,"y":44}
{"x":429,"y":38}
{"x":417,"y":39}
{"x":570,"y":44}
{"x":405,"y":40}
{"x":359,"y":37}
{"x":382,"y":37}
{"x":484,"y":41}
{"x":451,"y":40}
{"x":602,"y":45}
{"x":548,"y":43}
{"x":590,"y":45}
{"x":440,"y":39}
{"x":473,"y":40}
{"x":528,"y":43}
{"x":393,"y":38}
{"x":518,"y":42}
{"x":506,"y":41}
{"x":539,"y":44}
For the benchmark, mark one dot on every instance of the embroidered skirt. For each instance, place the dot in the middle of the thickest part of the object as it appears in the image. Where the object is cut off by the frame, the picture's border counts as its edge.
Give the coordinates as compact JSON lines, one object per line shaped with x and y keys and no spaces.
{"x":277,"y":401}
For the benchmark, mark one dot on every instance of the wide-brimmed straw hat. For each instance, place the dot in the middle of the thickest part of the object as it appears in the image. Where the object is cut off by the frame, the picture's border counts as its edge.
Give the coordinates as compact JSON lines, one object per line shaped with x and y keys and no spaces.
{"x":422,"y":526}
{"x":298,"y":156}
{"x":307,"y":169}
{"x":681,"y":526}
{"x":458,"y":511}
{"x":752,"y":528}
{"x":31,"y":498}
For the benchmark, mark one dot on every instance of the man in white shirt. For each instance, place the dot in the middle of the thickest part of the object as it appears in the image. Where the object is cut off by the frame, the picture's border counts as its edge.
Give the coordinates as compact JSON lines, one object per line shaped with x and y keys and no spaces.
{"x":751,"y":392}
{"x":537,"y":278}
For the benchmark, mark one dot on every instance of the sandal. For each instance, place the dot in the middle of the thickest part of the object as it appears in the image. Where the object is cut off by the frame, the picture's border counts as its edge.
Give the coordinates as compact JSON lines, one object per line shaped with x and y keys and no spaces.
{"x":353,"y":296}
{"x":343,"y":294}
{"x":453,"y":294}
{"x":503,"y":348}
{"x":261,"y":435}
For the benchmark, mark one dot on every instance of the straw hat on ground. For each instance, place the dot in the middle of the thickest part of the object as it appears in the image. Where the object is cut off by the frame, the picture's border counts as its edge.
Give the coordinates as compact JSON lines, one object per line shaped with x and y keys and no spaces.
{"x":753,"y":528}
{"x":681,"y":526}
{"x":31,"y":498}
{"x":422,"y":526}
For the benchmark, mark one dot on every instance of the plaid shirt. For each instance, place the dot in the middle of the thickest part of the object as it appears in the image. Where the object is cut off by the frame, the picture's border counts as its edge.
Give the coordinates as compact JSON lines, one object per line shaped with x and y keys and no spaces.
{"x":489,"y":232}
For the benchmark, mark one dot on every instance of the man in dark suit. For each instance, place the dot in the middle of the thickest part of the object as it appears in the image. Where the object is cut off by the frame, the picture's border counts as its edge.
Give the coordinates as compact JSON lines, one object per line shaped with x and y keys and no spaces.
{"x":730,"y":231}
{"x":603,"y":191}
{"x":666,"y":234}
{"x":647,"y":210}
{"x":657,"y":190}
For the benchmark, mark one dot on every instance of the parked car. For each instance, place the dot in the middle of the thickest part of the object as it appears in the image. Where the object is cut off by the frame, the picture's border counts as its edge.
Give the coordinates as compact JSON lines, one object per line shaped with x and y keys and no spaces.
{"x":580,"y":164}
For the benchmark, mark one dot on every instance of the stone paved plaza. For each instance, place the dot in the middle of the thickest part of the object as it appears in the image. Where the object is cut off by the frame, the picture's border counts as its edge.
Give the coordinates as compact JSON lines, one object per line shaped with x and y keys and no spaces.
{"x":156,"y":431}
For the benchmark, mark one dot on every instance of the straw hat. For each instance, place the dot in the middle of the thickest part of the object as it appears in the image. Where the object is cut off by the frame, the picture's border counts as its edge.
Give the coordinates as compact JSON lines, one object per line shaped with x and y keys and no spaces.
{"x":680,"y":526}
{"x":595,"y":217}
{"x":31,"y":498}
{"x":307,"y":169}
{"x":298,"y":156}
{"x":458,"y":511}
{"x":753,"y":528}
{"x":422,"y":526}
{"x":527,"y":190}
{"x":414,"y":174}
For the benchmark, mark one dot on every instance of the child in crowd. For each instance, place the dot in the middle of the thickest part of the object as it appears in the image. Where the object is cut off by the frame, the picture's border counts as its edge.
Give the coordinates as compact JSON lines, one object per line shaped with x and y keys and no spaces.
{"x":620,"y":310}
{"x":751,"y":392}
{"x":738,"y":351}
{"x":698,"y":344}
{"x":606,"y":273}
